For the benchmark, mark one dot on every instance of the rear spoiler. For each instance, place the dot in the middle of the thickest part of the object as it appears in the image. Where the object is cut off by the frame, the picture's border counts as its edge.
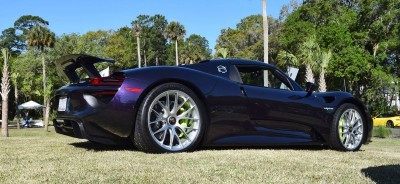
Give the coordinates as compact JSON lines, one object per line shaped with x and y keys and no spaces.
{"x":67,"y":65}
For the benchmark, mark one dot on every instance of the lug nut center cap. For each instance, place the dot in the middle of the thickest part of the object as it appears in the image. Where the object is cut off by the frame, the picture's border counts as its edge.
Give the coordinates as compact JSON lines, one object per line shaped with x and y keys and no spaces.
{"x":172,"y":120}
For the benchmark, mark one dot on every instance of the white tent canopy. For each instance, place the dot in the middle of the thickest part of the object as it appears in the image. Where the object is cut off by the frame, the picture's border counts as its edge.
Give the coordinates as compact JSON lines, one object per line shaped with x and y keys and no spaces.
{"x":30,"y":105}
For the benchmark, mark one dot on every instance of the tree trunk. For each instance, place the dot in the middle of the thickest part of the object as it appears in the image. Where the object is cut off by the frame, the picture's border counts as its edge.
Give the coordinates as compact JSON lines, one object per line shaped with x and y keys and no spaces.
{"x":4,"y":118}
{"x":145,"y":59}
{"x":45,"y":117}
{"x":47,"y":114}
{"x":309,"y":74}
{"x":265,"y":27}
{"x":138,"y":51}
{"x":156,"y":60}
{"x":176,"y":52}
{"x":5,"y":89}
{"x":16,"y":101}
{"x":375,"y":48}
{"x":322,"y":83}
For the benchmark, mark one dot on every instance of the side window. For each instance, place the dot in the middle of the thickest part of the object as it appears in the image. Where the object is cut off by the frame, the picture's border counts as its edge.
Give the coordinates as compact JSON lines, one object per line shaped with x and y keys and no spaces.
{"x":254,"y":76}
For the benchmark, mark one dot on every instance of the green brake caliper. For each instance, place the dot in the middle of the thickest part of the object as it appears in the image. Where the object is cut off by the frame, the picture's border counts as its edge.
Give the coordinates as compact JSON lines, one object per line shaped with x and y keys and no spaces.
{"x":185,"y":122}
{"x":341,"y":121}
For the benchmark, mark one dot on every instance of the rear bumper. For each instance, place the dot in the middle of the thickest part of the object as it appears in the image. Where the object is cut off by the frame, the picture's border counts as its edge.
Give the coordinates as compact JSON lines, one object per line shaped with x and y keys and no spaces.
{"x":96,"y":109}
{"x":78,"y":129}
{"x":69,"y":128}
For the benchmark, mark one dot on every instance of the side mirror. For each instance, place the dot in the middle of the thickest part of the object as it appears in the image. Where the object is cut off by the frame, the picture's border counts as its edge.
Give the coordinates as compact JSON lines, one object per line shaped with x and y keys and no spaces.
{"x":310,"y":87}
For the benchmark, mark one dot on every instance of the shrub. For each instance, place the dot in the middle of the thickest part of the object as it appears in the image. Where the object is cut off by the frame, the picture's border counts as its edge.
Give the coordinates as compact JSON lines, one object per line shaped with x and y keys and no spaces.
{"x":382,"y":132}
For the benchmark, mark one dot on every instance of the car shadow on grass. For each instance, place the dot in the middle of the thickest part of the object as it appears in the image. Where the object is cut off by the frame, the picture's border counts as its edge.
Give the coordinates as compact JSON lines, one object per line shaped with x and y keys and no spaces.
{"x":92,"y":146}
{"x":383,"y":174}
{"x":280,"y":147}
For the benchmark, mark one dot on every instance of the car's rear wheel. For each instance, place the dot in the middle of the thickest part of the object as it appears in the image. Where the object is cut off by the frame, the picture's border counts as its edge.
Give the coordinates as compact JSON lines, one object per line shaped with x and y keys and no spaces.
{"x":170,"y":119}
{"x":348,"y":128}
{"x":389,"y":124}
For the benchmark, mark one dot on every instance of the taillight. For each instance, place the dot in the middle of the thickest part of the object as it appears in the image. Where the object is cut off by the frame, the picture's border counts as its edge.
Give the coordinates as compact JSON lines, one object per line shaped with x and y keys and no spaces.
{"x":107,"y":81}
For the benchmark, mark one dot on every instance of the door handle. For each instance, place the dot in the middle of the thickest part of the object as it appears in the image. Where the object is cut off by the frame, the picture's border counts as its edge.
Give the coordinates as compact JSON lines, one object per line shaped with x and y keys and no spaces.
{"x":243,"y":91}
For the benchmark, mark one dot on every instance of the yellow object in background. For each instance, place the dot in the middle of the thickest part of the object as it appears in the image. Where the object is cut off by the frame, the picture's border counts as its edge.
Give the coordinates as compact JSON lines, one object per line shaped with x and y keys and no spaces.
{"x":388,"y":120}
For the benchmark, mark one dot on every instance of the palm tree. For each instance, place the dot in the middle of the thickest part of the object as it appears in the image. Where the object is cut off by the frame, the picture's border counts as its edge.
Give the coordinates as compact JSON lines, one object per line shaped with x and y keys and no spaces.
{"x":308,"y":52}
{"x":286,"y":59}
{"x":136,"y":28}
{"x":5,"y":89}
{"x":41,"y":38}
{"x":223,"y":52}
{"x":325,"y":57}
{"x":174,"y":32}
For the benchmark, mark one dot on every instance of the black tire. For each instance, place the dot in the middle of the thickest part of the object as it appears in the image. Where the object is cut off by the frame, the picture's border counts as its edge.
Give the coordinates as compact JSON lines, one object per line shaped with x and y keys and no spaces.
{"x":389,"y":124}
{"x":335,"y":141}
{"x":143,"y":138}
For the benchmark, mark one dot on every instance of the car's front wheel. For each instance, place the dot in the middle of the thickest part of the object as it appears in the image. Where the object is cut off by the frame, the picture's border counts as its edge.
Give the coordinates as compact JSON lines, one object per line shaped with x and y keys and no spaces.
{"x":389,"y":124}
{"x":348,"y":128}
{"x":170,"y":119}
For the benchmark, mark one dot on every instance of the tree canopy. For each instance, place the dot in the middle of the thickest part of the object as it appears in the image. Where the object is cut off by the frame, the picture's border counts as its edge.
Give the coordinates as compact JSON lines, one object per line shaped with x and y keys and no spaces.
{"x":355,"y":46}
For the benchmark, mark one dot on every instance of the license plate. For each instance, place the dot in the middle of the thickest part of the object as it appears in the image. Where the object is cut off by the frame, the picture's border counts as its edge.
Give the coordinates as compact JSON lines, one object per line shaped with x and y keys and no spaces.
{"x":62,"y":104}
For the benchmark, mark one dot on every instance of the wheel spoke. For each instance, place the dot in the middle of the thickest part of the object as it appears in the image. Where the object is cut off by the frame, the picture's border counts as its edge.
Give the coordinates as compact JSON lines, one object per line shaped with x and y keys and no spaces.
{"x":348,"y":140}
{"x":159,"y":119}
{"x":171,"y":138}
{"x":353,"y":118}
{"x":357,"y":126}
{"x":164,"y":135}
{"x":186,"y":112}
{"x":162,"y":106}
{"x":159,"y":130}
{"x":189,"y":118}
{"x":181,"y":105}
{"x":156,"y":121}
{"x":191,"y":128}
{"x":345,"y":132}
{"x":177,"y":138}
{"x":352,"y":139}
{"x":175,"y":108}
{"x":167,"y":102}
{"x":184,"y":133}
{"x":157,"y":113}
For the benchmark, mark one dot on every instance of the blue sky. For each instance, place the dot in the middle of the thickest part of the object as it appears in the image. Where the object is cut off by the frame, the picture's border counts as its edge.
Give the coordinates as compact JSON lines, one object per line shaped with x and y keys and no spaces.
{"x":203,"y":17}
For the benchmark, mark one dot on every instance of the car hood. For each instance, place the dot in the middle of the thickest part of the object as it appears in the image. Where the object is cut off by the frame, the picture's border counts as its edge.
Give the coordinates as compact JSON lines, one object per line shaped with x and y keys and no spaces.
{"x":67,"y":65}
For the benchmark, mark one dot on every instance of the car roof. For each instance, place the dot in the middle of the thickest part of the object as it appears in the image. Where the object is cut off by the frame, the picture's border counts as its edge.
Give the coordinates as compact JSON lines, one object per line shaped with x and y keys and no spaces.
{"x":210,"y":66}
{"x":389,"y":114}
{"x":236,"y":61}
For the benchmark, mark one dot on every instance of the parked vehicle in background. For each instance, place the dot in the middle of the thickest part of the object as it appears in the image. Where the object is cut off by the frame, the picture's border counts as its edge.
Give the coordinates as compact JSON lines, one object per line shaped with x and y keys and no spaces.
{"x":388,"y":120}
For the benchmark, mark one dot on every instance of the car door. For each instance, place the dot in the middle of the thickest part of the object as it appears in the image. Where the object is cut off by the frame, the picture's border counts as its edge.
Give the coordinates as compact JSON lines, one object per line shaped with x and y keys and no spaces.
{"x":279,"y":113}
{"x":378,"y":120}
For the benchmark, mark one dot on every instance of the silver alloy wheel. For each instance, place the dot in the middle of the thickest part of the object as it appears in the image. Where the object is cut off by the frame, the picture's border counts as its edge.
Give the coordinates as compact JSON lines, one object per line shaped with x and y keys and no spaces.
{"x":174,"y":120}
{"x":351,"y":129}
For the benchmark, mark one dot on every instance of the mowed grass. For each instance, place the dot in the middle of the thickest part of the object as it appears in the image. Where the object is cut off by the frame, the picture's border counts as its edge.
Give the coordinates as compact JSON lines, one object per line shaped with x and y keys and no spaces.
{"x":35,"y":156}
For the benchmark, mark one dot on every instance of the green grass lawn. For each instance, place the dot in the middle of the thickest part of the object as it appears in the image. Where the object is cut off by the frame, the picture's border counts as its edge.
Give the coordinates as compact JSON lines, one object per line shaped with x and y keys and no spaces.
{"x":35,"y":156}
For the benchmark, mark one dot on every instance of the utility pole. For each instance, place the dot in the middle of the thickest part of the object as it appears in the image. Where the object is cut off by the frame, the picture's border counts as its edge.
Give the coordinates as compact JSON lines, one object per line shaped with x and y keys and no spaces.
{"x":265,"y":27}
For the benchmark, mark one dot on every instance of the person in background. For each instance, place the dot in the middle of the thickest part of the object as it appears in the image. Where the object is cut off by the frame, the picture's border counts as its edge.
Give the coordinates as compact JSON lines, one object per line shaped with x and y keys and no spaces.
{"x":26,"y":118}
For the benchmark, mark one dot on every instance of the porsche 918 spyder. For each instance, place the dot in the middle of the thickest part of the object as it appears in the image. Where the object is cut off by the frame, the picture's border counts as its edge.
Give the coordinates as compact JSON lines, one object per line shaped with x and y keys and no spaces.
{"x":221,"y":102}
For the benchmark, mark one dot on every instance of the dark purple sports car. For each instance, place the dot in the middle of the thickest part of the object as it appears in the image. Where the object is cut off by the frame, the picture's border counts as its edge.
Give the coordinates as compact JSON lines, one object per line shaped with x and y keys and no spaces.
{"x":223,"y":102}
